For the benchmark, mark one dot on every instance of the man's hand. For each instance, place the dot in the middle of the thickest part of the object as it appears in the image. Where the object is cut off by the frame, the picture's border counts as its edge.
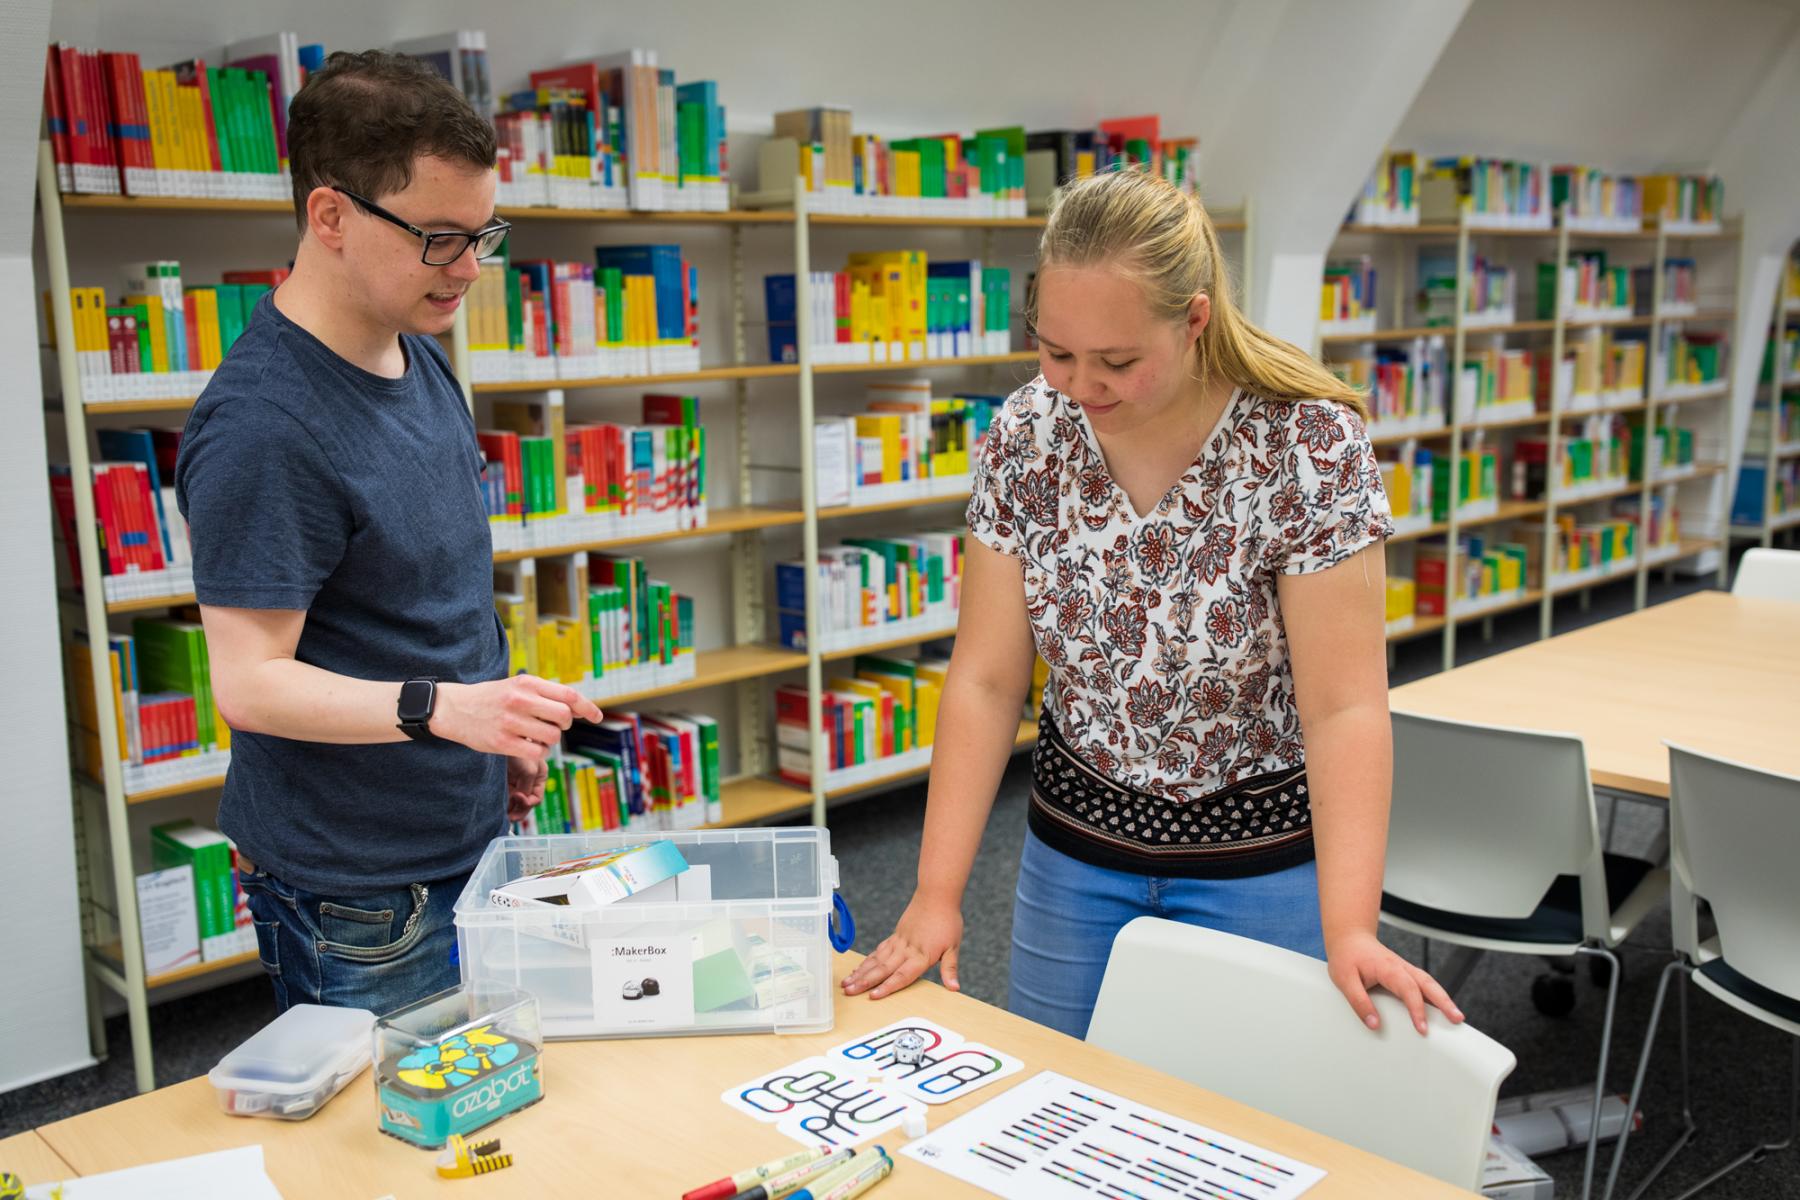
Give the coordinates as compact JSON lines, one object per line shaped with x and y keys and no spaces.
{"x":521,"y":716}
{"x":524,"y":786}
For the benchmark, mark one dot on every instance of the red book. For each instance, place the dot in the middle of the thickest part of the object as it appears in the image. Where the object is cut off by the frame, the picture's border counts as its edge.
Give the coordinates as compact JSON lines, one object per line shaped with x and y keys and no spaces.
{"x":190,"y":316}
{"x":132,"y":143}
{"x":841,"y":308}
{"x":146,"y":504}
{"x":56,"y":117}
{"x":102,"y":120}
{"x":274,"y":277}
{"x":131,"y":521}
{"x":62,"y":498}
{"x":581,"y":77}
{"x":75,"y":113}
{"x":106,"y":523}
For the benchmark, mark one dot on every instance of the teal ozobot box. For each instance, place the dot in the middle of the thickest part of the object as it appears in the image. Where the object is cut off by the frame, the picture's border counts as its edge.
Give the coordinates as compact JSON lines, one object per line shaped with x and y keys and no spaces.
{"x":457,"y":1061}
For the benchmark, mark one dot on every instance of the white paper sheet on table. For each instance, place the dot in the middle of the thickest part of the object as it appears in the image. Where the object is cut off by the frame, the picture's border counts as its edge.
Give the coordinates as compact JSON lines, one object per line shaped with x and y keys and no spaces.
{"x":1052,"y":1136}
{"x":236,"y":1173}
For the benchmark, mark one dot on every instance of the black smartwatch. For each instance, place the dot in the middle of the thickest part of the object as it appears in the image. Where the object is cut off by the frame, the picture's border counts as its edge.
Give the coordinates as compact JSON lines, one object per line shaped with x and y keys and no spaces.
{"x":418,"y":700}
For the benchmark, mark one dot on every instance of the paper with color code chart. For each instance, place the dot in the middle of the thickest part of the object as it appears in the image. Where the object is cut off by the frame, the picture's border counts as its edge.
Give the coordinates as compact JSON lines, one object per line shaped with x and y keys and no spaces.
{"x":859,"y":1089}
{"x":1055,"y":1136}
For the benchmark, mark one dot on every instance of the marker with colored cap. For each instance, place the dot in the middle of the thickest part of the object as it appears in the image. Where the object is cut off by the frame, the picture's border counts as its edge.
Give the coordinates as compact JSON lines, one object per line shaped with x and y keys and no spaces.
{"x":731,"y":1184}
{"x":776,"y":1187}
{"x":858,"y":1176}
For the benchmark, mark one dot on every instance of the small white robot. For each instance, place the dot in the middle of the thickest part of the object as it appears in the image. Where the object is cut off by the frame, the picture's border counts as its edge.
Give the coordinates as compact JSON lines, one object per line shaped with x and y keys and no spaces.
{"x":909,"y":1048}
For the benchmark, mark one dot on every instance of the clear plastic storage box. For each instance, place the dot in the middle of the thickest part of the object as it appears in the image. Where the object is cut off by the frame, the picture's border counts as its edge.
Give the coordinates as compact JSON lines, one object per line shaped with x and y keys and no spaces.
{"x":738,"y":943}
{"x":294,"y":1064}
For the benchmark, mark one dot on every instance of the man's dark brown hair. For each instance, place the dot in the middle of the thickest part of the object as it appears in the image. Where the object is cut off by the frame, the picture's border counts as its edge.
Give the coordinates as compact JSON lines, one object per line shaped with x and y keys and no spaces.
{"x":362,"y":118}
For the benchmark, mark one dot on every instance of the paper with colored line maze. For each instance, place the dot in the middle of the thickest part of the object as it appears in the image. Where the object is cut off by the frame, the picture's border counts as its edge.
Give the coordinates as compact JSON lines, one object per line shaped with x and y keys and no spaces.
{"x":1052,"y":1136}
{"x":860,"y":1089}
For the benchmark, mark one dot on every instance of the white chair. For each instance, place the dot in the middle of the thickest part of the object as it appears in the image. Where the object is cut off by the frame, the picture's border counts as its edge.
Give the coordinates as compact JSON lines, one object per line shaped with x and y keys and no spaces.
{"x":1768,"y":574}
{"x":1733,"y":830}
{"x":1266,"y":1027}
{"x":1494,"y":844}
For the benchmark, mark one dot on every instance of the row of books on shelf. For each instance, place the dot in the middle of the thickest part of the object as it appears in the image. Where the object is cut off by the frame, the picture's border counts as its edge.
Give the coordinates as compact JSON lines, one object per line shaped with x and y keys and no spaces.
{"x":597,"y":623}
{"x":632,"y":771}
{"x":634,"y":311}
{"x":1753,"y":482}
{"x":158,"y":339}
{"x":874,"y":588}
{"x":882,"y":714}
{"x":162,"y":698}
{"x":1000,"y":172}
{"x":548,"y":483}
{"x":188,"y":129}
{"x":191,"y":909}
{"x":906,"y":445}
{"x":1497,"y":193}
{"x":142,"y":540}
{"x":616,"y":132}
{"x":1774,"y":426}
{"x":893,"y":306}
{"x":610,"y":133}
{"x":1782,"y":357}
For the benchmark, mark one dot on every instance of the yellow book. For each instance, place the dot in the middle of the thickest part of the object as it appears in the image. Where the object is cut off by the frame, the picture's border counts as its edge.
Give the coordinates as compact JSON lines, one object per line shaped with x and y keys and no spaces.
{"x":1400,"y":598}
{"x":901,"y":689}
{"x":927,"y":695}
{"x":906,"y":173}
{"x":206,"y":319}
{"x":180,"y":154}
{"x":159,"y":338}
{"x":887,"y":428}
{"x":161,"y":151}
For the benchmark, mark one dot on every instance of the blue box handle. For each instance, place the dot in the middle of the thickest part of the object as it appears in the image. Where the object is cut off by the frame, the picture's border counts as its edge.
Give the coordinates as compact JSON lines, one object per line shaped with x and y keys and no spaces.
{"x":842,"y":926}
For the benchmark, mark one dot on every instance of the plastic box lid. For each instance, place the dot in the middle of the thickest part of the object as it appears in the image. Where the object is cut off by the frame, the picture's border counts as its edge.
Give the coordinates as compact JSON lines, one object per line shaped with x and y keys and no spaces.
{"x":299,"y":1051}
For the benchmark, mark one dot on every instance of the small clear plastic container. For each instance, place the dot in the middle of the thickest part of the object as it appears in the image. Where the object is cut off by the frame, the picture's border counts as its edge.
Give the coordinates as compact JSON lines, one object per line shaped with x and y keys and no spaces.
{"x":295,"y":1063}
{"x":457,"y":1061}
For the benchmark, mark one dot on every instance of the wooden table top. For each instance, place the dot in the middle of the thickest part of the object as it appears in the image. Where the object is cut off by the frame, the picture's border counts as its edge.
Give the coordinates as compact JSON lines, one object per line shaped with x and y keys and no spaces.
{"x":644,"y":1118}
{"x":1710,"y":671}
{"x":30,"y":1157}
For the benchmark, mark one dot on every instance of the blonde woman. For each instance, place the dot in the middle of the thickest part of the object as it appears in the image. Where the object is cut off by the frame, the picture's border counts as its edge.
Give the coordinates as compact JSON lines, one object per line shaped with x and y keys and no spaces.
{"x":1183,"y":516}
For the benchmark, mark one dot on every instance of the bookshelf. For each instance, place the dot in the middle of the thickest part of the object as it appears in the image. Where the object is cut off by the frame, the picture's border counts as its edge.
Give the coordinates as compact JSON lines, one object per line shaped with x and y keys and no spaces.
{"x":1695,"y":488}
{"x":1777,"y":457}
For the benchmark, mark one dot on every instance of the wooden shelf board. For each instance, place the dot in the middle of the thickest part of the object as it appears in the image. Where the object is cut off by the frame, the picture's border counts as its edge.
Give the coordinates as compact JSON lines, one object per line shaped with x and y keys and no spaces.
{"x":924,"y":222}
{"x":1510,"y":510}
{"x":174,"y":789}
{"x":704,"y":375}
{"x":1531,"y":597}
{"x":860,"y":510}
{"x":975,"y":360}
{"x":719,"y":522}
{"x":515,"y":212}
{"x":146,"y":604}
{"x":1401,"y":334}
{"x":101,"y":408}
{"x":1711,"y":393}
{"x":1442,"y":229}
{"x":756,"y":799}
{"x":1705,"y":314}
{"x":729,"y":664}
{"x":888,"y":644}
{"x":1026,"y":736}
{"x":113,"y":956}
{"x":1510,"y":423}
{"x":175,"y":204}
{"x":1612,"y":493}
{"x":1422,"y":627}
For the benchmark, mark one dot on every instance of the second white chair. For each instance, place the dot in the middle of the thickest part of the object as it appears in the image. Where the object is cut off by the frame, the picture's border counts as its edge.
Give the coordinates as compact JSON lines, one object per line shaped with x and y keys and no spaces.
{"x":1768,"y":574}
{"x":1266,"y":1027}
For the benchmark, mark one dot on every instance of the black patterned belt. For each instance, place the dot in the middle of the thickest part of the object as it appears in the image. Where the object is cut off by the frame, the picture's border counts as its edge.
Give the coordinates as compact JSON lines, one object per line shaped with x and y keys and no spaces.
{"x":1254,"y":827}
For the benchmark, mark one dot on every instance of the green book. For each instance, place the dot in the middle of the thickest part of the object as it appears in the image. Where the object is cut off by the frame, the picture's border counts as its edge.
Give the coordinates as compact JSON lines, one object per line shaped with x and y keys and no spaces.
{"x":216,"y":88}
{"x":208,"y":852}
{"x":172,"y":658}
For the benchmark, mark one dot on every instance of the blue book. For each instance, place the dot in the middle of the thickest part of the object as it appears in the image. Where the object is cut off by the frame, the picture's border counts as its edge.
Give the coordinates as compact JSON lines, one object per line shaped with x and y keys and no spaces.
{"x":663,"y":264}
{"x":138,"y":445}
{"x":780,"y":299}
{"x":705,"y":93}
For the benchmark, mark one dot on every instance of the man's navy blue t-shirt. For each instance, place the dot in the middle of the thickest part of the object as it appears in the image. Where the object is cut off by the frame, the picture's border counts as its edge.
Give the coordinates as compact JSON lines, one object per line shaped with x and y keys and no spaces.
{"x":311,"y":484}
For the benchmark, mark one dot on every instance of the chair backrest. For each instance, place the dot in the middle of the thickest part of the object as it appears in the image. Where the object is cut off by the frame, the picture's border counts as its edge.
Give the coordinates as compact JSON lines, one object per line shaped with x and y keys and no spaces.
{"x":1732,"y":835}
{"x":1485,"y":818}
{"x":1768,"y":574}
{"x":1266,"y":1027}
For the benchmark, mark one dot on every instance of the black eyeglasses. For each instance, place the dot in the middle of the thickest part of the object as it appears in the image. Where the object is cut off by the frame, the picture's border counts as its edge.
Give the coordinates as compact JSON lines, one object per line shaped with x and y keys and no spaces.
{"x":440,"y":249}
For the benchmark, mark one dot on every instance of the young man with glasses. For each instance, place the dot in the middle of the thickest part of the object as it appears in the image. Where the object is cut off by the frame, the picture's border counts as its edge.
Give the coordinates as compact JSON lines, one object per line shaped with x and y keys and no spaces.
{"x":331,"y":481}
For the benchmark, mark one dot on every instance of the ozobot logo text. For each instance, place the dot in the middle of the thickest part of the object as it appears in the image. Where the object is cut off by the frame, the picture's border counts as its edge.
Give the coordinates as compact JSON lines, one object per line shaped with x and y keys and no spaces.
{"x":490,"y":1095}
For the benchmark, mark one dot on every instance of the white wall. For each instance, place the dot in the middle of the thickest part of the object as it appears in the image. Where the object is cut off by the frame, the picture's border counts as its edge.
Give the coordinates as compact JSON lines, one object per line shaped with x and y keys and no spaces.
{"x":43,"y":1005}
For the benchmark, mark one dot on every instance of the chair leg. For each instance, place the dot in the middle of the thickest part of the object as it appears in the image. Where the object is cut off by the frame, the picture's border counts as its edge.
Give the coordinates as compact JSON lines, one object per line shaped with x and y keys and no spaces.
{"x":1612,"y":996}
{"x":1637,"y":1086}
{"x":1758,"y":1153}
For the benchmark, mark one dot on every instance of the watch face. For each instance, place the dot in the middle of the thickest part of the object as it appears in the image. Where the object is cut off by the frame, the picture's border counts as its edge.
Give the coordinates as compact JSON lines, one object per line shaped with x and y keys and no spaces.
{"x":415,"y":699}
